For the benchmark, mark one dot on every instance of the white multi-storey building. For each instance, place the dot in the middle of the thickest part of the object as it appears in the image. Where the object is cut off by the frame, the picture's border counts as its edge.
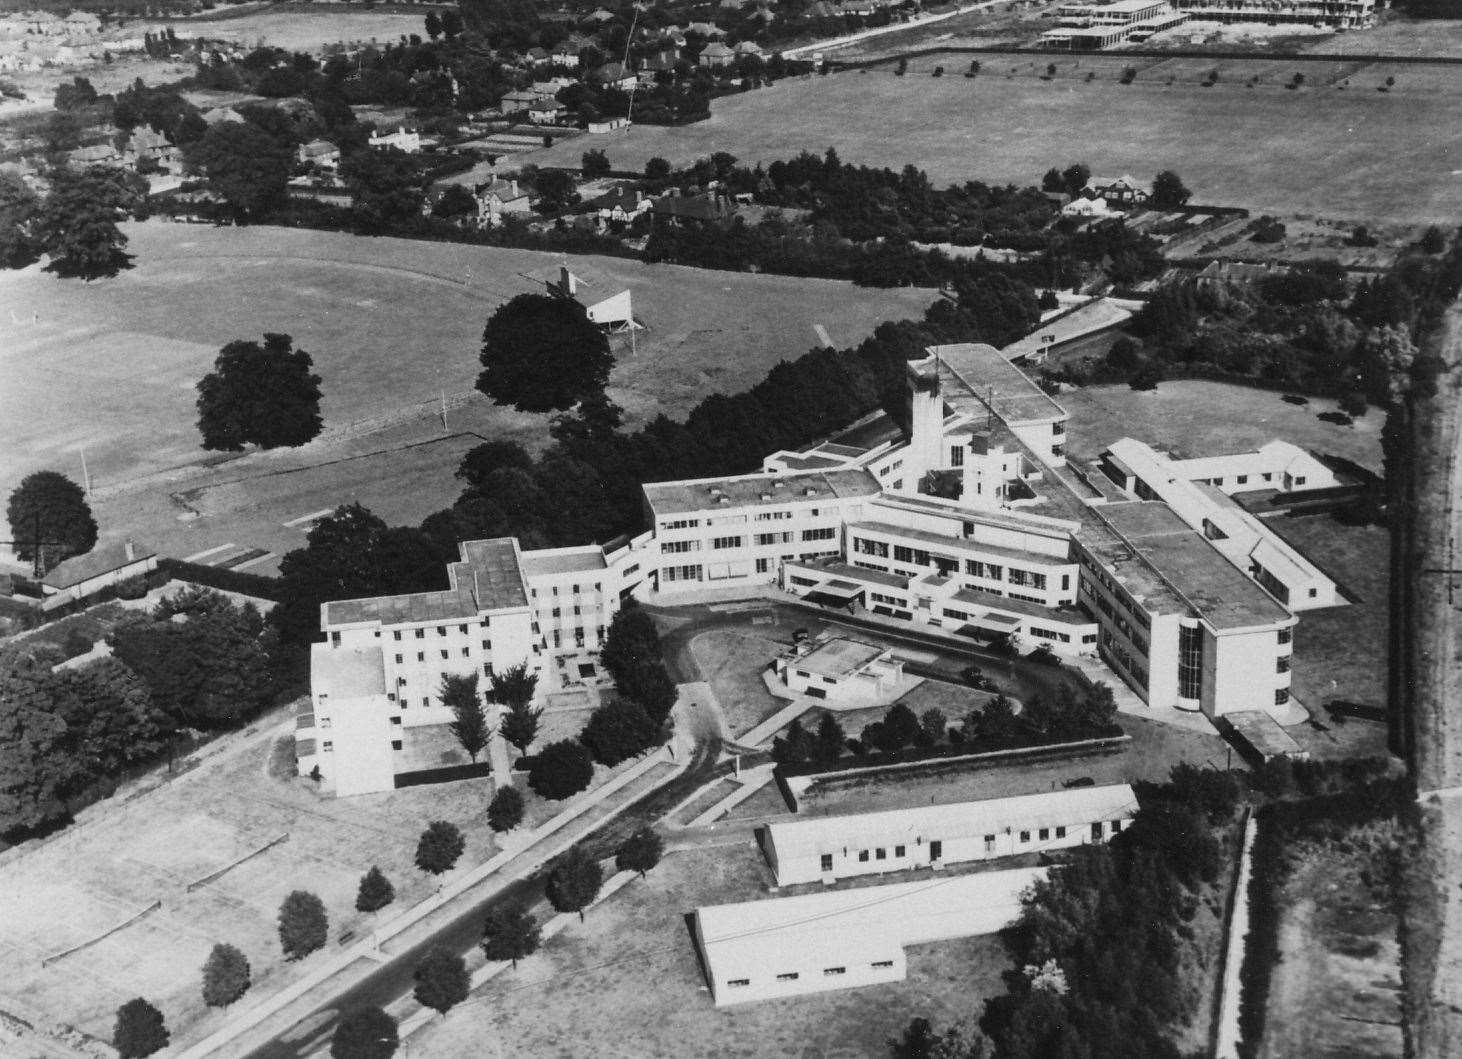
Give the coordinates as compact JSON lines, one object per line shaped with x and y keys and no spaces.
{"x":974,"y":524}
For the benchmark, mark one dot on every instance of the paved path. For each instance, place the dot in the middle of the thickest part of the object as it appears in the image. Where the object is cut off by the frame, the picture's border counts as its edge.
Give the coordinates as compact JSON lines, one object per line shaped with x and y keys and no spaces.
{"x":879,"y":31}
{"x":1227,"y":1036}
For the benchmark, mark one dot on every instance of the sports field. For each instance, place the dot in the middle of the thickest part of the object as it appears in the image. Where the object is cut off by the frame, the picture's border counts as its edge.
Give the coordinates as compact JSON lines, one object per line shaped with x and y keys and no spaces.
{"x":392,"y":324}
{"x":303,"y":27}
{"x":1355,"y":153}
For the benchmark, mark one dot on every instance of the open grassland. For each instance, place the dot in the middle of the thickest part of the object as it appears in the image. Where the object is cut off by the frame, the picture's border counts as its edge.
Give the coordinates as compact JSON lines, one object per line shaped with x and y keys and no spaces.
{"x":126,"y":854}
{"x":392,"y":325}
{"x":1355,"y":153}
{"x":302,"y":27}
{"x":629,"y":981}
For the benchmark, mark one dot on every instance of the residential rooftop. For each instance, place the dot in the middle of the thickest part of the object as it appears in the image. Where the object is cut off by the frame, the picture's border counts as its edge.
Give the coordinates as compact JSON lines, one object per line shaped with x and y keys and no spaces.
{"x":347,"y":672}
{"x":103,"y":559}
{"x":489,"y":577}
{"x":757,"y":490}
{"x":839,"y":657}
{"x":562,"y":561}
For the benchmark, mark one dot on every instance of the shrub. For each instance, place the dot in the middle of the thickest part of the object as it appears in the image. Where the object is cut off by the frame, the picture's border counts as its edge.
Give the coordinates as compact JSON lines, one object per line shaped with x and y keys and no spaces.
{"x":365,"y":1033}
{"x":505,"y":811}
{"x":303,"y":925}
{"x":376,"y":891}
{"x":139,"y":1030}
{"x":640,"y":852}
{"x":561,"y":770}
{"x":225,"y":976}
{"x":1146,"y":377}
{"x":442,"y":981}
{"x":440,"y":846}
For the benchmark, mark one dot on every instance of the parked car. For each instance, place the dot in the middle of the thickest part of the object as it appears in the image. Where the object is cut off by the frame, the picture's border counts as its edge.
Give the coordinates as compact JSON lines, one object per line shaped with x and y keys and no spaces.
{"x":975,"y":677}
{"x":1079,"y":781}
{"x":800,"y":635}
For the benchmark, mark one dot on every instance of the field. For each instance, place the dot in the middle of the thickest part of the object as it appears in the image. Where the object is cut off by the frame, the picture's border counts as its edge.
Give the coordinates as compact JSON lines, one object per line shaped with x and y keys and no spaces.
{"x":126,"y":854}
{"x":391,"y":324}
{"x":629,"y":980}
{"x":302,"y":27}
{"x":1316,"y":150}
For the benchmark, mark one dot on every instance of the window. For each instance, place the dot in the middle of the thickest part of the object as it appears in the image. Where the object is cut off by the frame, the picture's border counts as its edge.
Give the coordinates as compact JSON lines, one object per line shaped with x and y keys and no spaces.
{"x":426,"y":700}
{"x":763,"y":566}
{"x":421,"y":634}
{"x":1096,"y":830}
{"x":726,"y":542}
{"x":1038,"y":582}
{"x":898,"y":851}
{"x":1116,"y":826}
{"x":827,"y":862}
{"x":1025,"y":836}
{"x":829,"y":971}
{"x":399,"y":660}
{"x":1281,"y":696}
{"x":578,"y":610}
{"x":395,"y":744}
{"x":327,"y":746}
{"x":396,"y":720}
{"x":441,"y":630}
{"x":827,"y":533}
{"x":880,"y":964}
{"x":737,"y":983}
{"x":397,"y":634}
{"x":1060,"y":832}
{"x":685,"y":523}
{"x":421,"y":656}
{"x":956,"y":456}
{"x":1045,"y":834}
{"x":862,"y":856}
{"x":1190,"y":662}
{"x":788,"y":976}
{"x":487,"y":645}
{"x":557,"y":611}
{"x":1242,"y":479}
{"x":487,"y":669}
{"x":1286,"y":634}
{"x":462,"y":629}
{"x":880,"y":854}
{"x":989,"y":843}
{"x":444,"y":652}
{"x":466,"y":652}
{"x":1281,"y":664}
{"x":675,"y":547}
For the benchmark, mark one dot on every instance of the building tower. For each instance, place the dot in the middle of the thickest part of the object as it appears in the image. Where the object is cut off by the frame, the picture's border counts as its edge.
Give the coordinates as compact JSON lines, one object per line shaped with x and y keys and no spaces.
{"x":926,"y":442}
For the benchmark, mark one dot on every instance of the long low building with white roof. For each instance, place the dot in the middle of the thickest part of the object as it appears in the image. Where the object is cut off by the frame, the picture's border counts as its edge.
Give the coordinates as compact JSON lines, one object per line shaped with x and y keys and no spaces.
{"x":842,"y":939}
{"x":825,"y":849}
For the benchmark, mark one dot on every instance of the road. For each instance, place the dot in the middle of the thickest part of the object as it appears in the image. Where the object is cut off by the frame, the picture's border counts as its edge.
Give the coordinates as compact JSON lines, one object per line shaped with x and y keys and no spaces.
{"x":393,"y":980}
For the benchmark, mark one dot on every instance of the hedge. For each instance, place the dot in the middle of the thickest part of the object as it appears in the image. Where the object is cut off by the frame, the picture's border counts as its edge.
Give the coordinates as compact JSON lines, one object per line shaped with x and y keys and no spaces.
{"x":246,"y":584}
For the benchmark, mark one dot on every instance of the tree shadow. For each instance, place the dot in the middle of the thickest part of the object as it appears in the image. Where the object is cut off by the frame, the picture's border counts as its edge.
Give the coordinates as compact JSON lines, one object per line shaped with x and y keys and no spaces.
{"x":67,"y":268}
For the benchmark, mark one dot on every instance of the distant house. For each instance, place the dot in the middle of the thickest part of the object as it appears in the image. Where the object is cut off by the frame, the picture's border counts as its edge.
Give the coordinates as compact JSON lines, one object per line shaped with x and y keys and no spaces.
{"x":709,"y":30}
{"x":95,"y":154}
{"x":612,"y":75}
{"x":1119,"y":191}
{"x":717,"y":55}
{"x":321,"y":153}
{"x":551,"y":86}
{"x":621,"y":206}
{"x":497,"y":200}
{"x":606,"y":125}
{"x":518,"y":102}
{"x":1081,"y":206}
{"x":410,"y":142}
{"x":547,"y":112}
{"x":537,"y":57}
{"x":662,"y":61}
{"x":750,"y":47}
{"x":599,"y":16}
{"x":566,"y":54}
{"x":1219,"y":274}
{"x":221,"y":114}
{"x":83,"y":576}
{"x":82,"y":22}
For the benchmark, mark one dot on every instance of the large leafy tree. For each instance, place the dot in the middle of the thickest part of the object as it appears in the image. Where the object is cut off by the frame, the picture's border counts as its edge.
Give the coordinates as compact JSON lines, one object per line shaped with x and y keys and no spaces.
{"x":1168,"y":191}
{"x":440,"y":847}
{"x":543,"y":353}
{"x":365,"y":1033}
{"x":139,"y":1030}
{"x":244,"y":164}
{"x":574,"y":882}
{"x":50,"y":508}
{"x":376,"y":891}
{"x":640,"y":852}
{"x":111,"y":721}
{"x":469,"y":722}
{"x":617,"y":731}
{"x":561,"y":770}
{"x":442,"y":981}
{"x":18,"y":207}
{"x":34,"y":766}
{"x":510,"y":934}
{"x":349,"y":554}
{"x":505,"y":811}
{"x":514,"y":688}
{"x":264,"y":394}
{"x":303,"y":925}
{"x":385,"y":187}
{"x":225,"y":976}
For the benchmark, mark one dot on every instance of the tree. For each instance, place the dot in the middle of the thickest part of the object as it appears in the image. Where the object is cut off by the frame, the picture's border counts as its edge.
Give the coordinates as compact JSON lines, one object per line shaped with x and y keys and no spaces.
{"x":617,"y":731}
{"x":376,"y":891}
{"x":440,"y":846}
{"x":595,"y":163}
{"x":433,"y":25}
{"x":556,"y":189}
{"x":365,"y":1033}
{"x":657,"y":168}
{"x":514,"y":688}
{"x":933,"y":723}
{"x":561,"y":770}
{"x":384,"y":185}
{"x":830,"y":739}
{"x":1097,"y":707}
{"x":1432,"y":240}
{"x":77,"y":223}
{"x":1168,"y":192}
{"x":796,"y":745}
{"x":541,"y":353}
{"x":35,"y":769}
{"x":442,"y":981}
{"x":574,"y":882}
{"x":18,"y":208}
{"x":139,"y":1030}
{"x":455,"y":201}
{"x":900,"y":725}
{"x":1048,"y":301}
{"x":303,"y":925}
{"x":479,"y":464}
{"x":469,"y":722}
{"x":245,"y":165}
{"x":49,"y":508}
{"x":510,"y":934}
{"x":266,"y":395}
{"x":640,"y":852}
{"x":78,"y":95}
{"x":1074,"y":178}
{"x":111,"y":720}
{"x":225,"y":976}
{"x":1125,"y":355}
{"x":505,"y":811}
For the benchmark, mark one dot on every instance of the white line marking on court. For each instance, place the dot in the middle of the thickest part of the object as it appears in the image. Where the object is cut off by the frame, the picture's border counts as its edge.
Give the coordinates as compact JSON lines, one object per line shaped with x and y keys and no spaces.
{"x":207,"y":552}
{"x":313,"y":516}
{"x":822,"y":334}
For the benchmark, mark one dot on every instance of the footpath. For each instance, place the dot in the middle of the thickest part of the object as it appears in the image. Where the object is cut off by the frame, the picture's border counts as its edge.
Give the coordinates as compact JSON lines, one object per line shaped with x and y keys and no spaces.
{"x":522,"y":856}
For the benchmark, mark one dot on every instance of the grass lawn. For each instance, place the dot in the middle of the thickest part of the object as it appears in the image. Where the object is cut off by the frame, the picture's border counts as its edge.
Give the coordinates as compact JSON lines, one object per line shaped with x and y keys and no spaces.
{"x":123,"y":855}
{"x":732,"y":661}
{"x":391,"y":324}
{"x":1198,"y":418}
{"x":629,"y":981}
{"x":1315,"y":150}
{"x":301,"y":27}
{"x":1336,"y":990}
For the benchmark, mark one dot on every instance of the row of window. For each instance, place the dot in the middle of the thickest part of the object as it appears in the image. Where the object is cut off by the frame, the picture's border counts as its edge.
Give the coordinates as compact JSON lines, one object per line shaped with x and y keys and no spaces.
{"x":792,"y":976}
{"x":554,"y":591}
{"x":441,"y":631}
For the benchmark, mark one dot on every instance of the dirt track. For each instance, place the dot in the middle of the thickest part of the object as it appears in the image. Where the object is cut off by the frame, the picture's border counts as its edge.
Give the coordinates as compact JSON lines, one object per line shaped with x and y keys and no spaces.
{"x":1429,"y":682}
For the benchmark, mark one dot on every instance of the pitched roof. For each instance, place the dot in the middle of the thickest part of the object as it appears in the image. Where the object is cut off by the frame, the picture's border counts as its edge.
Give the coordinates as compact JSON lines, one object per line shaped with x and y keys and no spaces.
{"x":104,"y":559}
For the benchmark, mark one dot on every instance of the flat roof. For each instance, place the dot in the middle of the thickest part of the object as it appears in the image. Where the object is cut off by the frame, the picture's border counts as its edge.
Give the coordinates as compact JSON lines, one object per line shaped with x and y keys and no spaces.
{"x":1223,"y":595}
{"x":757,"y":490}
{"x":448,"y":604}
{"x":959,"y":545}
{"x":489,"y":577}
{"x":978,"y":597}
{"x":562,"y":561}
{"x":992,"y":380}
{"x":868,"y":432}
{"x":1263,"y":733}
{"x":347,"y":672}
{"x":824,"y":834}
{"x":839,"y":657}
{"x":839,"y":568}
{"x":810,"y":462}
{"x":497,"y":575}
